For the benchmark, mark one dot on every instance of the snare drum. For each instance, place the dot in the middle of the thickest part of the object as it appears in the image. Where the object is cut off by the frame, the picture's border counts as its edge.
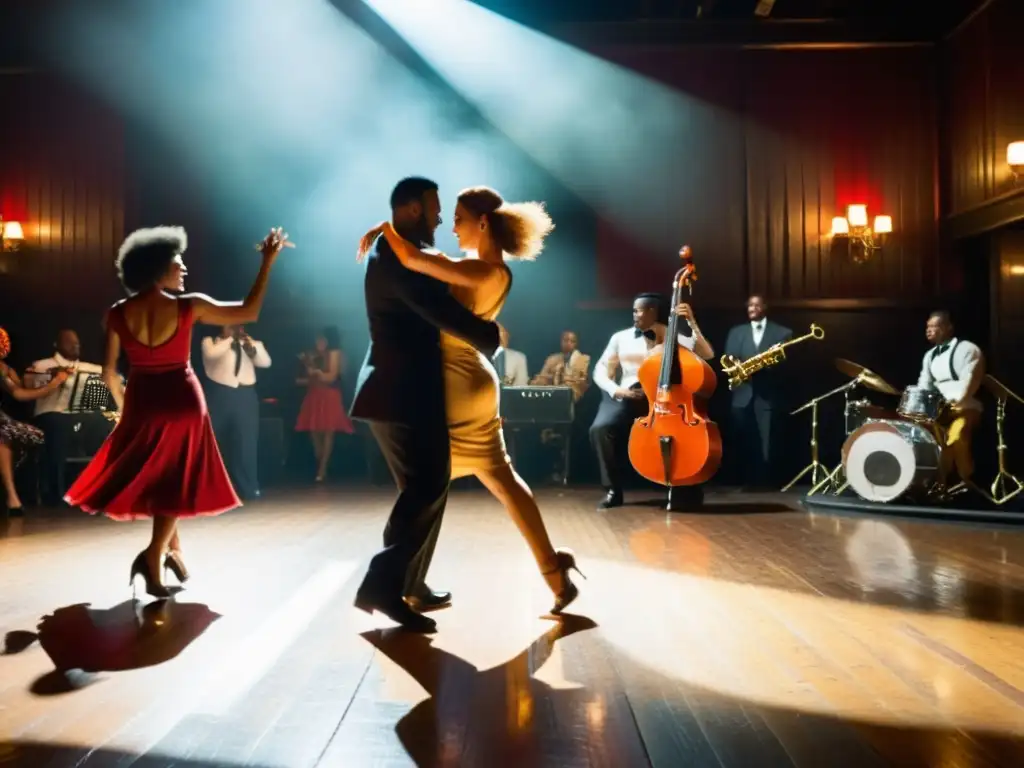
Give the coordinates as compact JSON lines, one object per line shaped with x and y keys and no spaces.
{"x":859,"y":412}
{"x":921,"y":405}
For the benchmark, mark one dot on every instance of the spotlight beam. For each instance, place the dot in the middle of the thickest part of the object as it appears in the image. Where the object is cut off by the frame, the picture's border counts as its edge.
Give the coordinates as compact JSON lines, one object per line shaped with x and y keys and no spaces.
{"x":359,"y":13}
{"x":465,"y":113}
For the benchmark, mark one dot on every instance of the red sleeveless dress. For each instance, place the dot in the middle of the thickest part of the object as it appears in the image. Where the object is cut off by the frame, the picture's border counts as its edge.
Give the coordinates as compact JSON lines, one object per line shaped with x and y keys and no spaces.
{"x":162,"y":457}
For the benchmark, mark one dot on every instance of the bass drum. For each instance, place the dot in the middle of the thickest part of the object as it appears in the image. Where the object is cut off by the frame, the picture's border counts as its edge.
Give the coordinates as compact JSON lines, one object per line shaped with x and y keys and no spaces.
{"x":884,"y":460}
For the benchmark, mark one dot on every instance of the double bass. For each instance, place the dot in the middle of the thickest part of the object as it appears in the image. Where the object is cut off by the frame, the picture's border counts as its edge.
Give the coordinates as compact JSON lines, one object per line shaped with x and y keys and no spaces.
{"x":676,"y":444}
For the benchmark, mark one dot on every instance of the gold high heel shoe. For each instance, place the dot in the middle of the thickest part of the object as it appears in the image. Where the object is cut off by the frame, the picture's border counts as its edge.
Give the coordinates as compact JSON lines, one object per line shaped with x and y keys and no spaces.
{"x":565,"y":561}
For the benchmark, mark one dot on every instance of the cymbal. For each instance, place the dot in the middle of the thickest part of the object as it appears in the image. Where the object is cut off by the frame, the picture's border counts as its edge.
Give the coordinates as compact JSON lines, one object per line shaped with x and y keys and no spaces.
{"x":868,"y":378}
{"x":999,"y":390}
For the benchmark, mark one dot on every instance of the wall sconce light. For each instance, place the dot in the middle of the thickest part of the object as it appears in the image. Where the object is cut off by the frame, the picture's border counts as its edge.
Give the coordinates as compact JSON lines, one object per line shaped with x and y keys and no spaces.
{"x":853,"y":233}
{"x":11,"y":235}
{"x":1015,"y":157}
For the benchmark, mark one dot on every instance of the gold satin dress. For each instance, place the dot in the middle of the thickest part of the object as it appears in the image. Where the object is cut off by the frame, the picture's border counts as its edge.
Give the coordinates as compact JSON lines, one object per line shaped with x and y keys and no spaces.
{"x":471,"y":385}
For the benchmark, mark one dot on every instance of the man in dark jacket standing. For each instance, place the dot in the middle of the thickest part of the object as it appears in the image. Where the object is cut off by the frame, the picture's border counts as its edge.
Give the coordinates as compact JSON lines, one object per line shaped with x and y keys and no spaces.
{"x":758,"y":404}
{"x":400,"y":393}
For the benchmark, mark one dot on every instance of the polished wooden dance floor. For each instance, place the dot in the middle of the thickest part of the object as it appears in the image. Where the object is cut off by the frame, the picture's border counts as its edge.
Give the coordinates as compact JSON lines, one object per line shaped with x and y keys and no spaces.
{"x":753,"y":635}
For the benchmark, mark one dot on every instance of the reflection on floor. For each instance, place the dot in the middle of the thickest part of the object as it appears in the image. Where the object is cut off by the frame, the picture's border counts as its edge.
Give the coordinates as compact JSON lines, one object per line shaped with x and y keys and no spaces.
{"x":753,"y":634}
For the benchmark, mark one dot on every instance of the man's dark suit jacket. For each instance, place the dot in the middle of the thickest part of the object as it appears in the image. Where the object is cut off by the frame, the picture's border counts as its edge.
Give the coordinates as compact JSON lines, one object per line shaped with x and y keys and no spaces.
{"x":765,"y":388}
{"x":401,"y":380}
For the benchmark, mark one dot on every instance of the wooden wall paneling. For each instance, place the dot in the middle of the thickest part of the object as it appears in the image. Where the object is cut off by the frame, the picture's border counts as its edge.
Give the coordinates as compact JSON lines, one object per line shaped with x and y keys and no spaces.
{"x":702,"y":174}
{"x":984,"y":74}
{"x":971,"y":150}
{"x":829,"y":128}
{"x":1006,"y":86}
{"x":62,"y":175}
{"x":763,"y":152}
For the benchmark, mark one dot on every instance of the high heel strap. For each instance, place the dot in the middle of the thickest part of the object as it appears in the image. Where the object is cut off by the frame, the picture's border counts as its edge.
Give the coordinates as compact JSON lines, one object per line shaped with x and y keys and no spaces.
{"x":565,"y":560}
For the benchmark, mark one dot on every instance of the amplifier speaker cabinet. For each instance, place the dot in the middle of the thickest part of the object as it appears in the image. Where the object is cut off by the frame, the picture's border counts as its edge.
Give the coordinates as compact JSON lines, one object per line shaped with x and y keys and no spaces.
{"x":537,"y":405}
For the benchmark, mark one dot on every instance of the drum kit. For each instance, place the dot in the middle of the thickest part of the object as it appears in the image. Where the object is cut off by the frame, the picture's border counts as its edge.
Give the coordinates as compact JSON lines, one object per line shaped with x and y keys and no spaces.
{"x":891,"y":455}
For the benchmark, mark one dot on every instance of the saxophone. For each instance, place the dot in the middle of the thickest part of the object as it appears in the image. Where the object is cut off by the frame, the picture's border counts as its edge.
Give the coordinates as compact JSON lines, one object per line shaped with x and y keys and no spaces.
{"x":740,"y":372}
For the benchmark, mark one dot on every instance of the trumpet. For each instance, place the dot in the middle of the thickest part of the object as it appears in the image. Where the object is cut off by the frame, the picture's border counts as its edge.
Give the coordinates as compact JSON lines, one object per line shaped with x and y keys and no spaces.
{"x":740,"y":372}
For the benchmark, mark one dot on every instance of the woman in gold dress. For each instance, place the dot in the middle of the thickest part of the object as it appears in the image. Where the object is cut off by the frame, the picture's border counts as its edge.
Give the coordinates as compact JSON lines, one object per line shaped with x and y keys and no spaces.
{"x":495,"y":230}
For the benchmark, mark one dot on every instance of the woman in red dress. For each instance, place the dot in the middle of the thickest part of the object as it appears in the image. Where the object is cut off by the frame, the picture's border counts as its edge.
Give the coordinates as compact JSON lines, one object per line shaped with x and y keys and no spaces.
{"x":322,"y":413}
{"x":162,"y":461}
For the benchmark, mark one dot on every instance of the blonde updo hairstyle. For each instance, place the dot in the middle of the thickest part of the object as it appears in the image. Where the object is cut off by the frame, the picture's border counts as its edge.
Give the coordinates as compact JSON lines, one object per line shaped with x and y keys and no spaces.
{"x":518,"y":229}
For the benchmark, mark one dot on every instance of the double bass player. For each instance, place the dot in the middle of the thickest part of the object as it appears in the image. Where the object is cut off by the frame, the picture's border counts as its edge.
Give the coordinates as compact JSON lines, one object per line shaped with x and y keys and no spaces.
{"x":623,"y":401}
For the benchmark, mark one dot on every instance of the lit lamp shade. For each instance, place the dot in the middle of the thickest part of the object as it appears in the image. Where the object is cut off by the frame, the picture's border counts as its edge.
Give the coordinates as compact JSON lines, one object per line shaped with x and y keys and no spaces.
{"x":840,"y":226}
{"x":1015,"y":156}
{"x":883,"y":225}
{"x":12,"y":231}
{"x":857,"y":215}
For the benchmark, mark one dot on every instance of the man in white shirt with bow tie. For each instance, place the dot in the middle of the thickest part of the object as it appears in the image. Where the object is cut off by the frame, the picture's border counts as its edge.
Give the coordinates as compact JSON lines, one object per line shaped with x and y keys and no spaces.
{"x":622,"y":402}
{"x":230,"y":362}
{"x":955,"y":367}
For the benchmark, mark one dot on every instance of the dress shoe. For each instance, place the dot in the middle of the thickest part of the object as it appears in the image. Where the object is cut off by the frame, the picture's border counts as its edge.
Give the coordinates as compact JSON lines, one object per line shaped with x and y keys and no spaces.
{"x":396,"y":610}
{"x":612,"y":499}
{"x":429,"y":600}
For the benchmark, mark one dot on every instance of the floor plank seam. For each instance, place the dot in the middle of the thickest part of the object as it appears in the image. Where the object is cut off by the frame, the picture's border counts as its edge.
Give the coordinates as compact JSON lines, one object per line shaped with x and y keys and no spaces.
{"x":348,"y":706}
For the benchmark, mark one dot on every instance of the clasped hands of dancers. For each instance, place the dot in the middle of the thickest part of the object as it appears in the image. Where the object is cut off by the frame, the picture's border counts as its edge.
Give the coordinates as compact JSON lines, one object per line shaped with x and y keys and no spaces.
{"x":431,"y":319}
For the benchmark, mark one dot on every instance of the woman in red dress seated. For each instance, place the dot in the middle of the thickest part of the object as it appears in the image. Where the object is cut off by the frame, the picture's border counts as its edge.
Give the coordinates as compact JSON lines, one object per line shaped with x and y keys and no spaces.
{"x":162,"y":460}
{"x":322,"y":413}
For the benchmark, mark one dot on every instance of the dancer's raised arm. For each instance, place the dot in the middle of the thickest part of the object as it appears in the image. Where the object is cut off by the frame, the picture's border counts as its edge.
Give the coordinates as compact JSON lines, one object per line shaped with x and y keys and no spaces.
{"x":465,"y":272}
{"x":213,"y":312}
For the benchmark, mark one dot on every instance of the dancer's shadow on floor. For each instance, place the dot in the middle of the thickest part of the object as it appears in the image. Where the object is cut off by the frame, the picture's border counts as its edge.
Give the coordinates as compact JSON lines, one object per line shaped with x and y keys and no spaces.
{"x":467,"y":705}
{"x":83,"y":641}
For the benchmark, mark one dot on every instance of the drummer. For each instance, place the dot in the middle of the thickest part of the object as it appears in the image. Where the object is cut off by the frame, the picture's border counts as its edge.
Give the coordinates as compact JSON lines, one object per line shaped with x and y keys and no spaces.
{"x":955,"y":367}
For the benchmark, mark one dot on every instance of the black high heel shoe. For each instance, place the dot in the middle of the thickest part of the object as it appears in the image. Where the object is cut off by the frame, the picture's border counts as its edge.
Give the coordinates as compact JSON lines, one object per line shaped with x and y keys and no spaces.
{"x":174,"y":564}
{"x":565,"y":561}
{"x":153,"y":587}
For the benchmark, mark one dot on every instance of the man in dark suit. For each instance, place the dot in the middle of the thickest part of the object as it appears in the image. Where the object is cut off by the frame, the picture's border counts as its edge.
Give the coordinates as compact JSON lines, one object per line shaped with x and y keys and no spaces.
{"x":757,"y":405}
{"x":400,"y":393}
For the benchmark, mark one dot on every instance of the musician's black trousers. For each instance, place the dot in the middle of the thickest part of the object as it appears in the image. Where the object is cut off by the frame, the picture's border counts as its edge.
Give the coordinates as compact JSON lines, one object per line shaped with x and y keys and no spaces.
{"x":57,"y":433}
{"x":420,"y":461}
{"x":753,"y":428}
{"x":609,"y":435}
{"x":235,"y":414}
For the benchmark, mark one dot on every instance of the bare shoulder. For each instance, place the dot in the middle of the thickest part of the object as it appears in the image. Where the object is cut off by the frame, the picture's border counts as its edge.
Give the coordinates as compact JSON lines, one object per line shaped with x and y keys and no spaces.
{"x":117,"y":306}
{"x":194,"y":297}
{"x":477,"y":267}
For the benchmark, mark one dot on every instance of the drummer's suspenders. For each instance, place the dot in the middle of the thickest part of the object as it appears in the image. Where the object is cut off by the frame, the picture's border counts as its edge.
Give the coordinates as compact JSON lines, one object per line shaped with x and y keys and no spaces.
{"x":952,"y":352}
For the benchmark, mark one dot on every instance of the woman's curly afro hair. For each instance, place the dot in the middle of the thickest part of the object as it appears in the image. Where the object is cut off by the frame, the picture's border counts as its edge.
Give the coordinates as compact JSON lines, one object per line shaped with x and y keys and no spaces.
{"x":146,"y":254}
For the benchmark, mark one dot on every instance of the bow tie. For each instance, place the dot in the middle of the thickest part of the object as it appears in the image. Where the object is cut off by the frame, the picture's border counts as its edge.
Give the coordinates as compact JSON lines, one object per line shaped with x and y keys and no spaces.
{"x":637,"y":333}
{"x":941,"y":348}
{"x":758,"y":326}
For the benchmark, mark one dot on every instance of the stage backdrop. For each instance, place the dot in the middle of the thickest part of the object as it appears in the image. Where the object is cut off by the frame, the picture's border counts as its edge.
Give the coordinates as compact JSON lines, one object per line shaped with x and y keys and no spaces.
{"x":778,"y":142}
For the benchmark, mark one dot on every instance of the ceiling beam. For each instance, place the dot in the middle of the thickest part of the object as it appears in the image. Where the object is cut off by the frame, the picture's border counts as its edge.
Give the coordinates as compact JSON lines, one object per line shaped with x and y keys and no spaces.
{"x":753,"y":33}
